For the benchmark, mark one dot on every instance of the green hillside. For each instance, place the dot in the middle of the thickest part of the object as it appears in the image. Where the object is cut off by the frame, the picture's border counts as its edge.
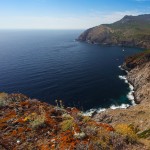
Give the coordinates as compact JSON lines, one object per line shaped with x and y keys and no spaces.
{"x":129,"y":31}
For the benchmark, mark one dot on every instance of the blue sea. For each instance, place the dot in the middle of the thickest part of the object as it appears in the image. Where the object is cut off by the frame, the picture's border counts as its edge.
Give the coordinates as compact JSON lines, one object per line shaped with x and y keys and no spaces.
{"x":50,"y":65}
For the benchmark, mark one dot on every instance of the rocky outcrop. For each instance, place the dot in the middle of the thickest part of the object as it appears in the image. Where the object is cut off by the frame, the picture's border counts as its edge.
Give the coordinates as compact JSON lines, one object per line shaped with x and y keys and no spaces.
{"x":139,"y":75}
{"x":129,"y":31}
{"x":96,"y":35}
{"x":30,"y":124}
{"x":140,"y":78}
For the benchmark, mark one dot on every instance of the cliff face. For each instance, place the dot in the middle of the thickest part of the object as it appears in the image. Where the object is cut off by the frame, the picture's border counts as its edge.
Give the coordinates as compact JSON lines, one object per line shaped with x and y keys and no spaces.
{"x":139,"y":75}
{"x":97,"y":34}
{"x":129,"y":31}
{"x":137,"y":116}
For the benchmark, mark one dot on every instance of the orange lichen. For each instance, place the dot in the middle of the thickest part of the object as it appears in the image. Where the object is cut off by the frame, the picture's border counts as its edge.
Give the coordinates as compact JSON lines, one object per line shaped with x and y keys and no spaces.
{"x":11,"y":114}
{"x":107,"y":127}
{"x":14,"y":133}
{"x":4,"y":120}
{"x":49,"y":120}
{"x":20,"y":120}
{"x":23,"y":137}
{"x":21,"y":129}
{"x":45,"y":147}
{"x":67,"y":141}
{"x":74,"y":111}
{"x":3,"y":125}
{"x":24,"y":103}
{"x":77,"y":128}
{"x":28,"y":129}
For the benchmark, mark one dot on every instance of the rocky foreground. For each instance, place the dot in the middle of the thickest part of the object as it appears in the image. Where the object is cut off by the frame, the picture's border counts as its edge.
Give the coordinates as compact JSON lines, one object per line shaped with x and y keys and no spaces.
{"x":129,"y":31}
{"x":34,"y":125}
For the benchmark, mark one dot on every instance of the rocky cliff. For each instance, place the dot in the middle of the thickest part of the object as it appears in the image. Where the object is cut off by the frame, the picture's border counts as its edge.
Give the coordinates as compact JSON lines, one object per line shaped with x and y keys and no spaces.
{"x":137,"y":116}
{"x":129,"y":31}
{"x":139,"y":75}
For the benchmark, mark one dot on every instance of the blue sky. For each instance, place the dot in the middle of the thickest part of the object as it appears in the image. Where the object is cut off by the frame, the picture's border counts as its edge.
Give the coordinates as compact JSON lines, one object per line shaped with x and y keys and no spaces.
{"x":66,"y":14}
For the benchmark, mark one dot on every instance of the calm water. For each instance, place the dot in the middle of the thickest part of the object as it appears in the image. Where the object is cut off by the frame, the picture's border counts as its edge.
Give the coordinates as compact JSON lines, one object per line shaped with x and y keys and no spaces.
{"x":50,"y":65}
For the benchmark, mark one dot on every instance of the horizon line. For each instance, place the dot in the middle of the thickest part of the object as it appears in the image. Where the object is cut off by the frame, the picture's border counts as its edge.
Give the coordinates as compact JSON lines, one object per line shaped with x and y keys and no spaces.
{"x":39,"y":29}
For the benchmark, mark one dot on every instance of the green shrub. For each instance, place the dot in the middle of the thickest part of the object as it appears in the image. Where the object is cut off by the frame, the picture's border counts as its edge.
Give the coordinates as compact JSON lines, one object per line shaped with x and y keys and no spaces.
{"x":67,"y":124}
{"x":38,"y":120}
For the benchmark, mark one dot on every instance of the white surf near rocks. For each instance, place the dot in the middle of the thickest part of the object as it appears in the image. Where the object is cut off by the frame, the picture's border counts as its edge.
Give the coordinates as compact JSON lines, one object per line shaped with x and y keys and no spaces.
{"x":130,"y":95}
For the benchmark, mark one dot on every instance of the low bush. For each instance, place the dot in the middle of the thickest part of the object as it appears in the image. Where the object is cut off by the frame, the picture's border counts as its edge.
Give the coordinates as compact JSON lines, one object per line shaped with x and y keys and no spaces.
{"x":127,"y":131}
{"x":3,"y":101}
{"x":38,"y":120}
{"x":67,"y":124}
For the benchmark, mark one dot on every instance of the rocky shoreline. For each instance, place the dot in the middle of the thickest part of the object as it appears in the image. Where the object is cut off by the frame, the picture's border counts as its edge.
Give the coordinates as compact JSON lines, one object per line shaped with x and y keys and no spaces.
{"x":130,"y":95}
{"x":138,"y":74}
{"x":138,"y":68}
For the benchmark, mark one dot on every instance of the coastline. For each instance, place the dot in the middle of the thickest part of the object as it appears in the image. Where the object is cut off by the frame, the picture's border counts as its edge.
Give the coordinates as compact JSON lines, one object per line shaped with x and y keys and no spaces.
{"x":137,"y":68}
{"x":113,"y":44}
{"x":112,"y":34}
{"x":130,"y":96}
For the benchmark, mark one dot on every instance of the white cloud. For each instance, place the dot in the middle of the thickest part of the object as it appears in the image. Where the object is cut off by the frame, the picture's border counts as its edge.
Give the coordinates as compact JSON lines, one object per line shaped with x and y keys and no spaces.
{"x":75,"y":22}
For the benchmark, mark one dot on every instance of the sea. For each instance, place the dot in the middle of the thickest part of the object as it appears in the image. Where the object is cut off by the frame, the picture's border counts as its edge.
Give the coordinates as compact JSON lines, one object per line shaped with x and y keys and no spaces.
{"x":51,"y":65}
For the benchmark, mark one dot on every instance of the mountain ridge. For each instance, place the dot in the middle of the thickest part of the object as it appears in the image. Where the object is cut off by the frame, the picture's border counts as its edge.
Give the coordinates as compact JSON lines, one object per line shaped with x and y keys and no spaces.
{"x":131,"y":31}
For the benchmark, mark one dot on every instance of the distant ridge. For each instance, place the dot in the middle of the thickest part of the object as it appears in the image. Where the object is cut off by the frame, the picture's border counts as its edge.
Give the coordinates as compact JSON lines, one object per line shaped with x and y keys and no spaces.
{"x":131,"y":31}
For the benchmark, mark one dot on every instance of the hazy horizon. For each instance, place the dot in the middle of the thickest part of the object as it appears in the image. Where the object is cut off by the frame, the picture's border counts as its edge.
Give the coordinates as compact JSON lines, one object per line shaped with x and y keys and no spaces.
{"x":66,"y":14}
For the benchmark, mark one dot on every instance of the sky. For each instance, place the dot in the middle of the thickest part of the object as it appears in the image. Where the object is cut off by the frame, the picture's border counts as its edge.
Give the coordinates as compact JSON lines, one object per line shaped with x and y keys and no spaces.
{"x":66,"y":14}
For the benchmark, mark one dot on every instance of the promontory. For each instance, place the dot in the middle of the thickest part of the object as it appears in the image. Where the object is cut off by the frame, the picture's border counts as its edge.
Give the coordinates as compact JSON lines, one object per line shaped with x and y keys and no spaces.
{"x":131,"y":31}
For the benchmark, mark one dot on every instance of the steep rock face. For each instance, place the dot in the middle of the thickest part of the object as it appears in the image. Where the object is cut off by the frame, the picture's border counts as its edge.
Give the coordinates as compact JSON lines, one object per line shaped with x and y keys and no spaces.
{"x":129,"y":31}
{"x":140,"y":78}
{"x":96,"y":35}
{"x":136,"y":116}
{"x":139,"y":75}
{"x":137,"y":60}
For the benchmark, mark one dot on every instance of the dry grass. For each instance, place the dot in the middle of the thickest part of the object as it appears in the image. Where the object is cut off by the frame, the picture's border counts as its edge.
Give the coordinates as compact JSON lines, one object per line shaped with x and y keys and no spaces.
{"x":3,"y":101}
{"x":38,"y":120}
{"x":127,"y":131}
{"x":67,"y":124}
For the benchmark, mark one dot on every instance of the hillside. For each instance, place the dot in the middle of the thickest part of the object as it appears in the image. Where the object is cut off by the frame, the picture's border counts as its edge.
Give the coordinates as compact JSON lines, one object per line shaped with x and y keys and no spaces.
{"x":129,"y":31}
{"x":31,"y":124}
